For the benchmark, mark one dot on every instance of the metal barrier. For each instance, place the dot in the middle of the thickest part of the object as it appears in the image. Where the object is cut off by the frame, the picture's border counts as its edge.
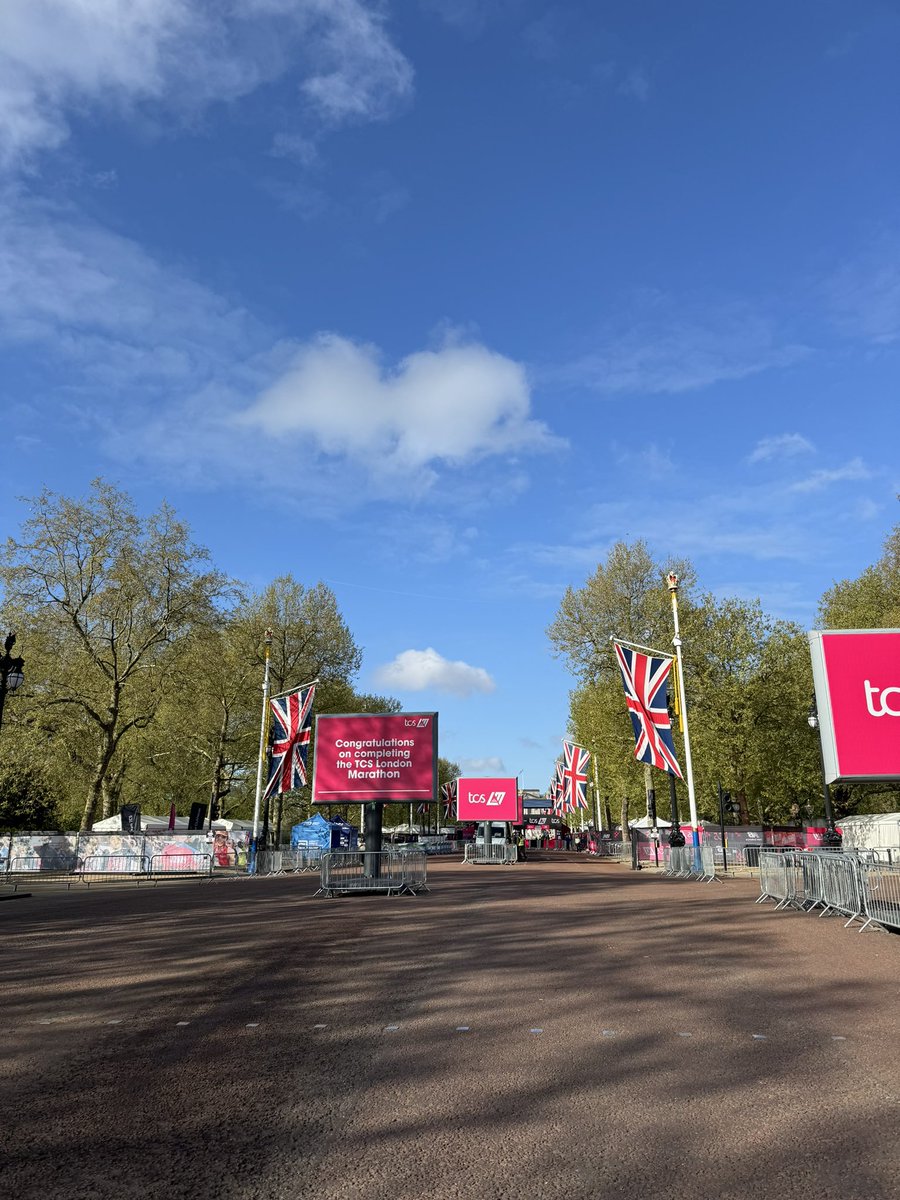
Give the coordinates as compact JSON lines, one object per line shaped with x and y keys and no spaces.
{"x":773,"y":878}
{"x":301,"y":859}
{"x":110,"y":867}
{"x":881,"y":894}
{"x":386,"y":871}
{"x":499,"y":855}
{"x":611,"y":850}
{"x":24,"y":862}
{"x":29,"y":867}
{"x":689,"y":862}
{"x":196,"y":865}
{"x":835,"y":881}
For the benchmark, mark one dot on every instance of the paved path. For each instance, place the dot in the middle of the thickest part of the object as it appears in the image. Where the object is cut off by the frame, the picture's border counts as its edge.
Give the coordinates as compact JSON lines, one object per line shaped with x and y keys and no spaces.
{"x":555,"y":1029}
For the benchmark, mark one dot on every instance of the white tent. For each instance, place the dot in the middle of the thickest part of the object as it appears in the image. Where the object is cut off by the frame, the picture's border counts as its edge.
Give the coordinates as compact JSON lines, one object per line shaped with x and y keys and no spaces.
{"x":148,"y":824}
{"x":871,"y":831}
{"x":646,"y":823}
{"x":161,"y":824}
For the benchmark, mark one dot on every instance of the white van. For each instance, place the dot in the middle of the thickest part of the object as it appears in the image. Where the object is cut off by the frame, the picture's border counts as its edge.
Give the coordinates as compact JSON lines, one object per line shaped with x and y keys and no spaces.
{"x":499,"y":834}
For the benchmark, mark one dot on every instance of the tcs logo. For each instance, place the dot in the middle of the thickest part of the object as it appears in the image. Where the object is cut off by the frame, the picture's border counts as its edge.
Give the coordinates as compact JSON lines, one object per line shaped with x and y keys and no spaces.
{"x":492,"y":799}
{"x":877,"y":700}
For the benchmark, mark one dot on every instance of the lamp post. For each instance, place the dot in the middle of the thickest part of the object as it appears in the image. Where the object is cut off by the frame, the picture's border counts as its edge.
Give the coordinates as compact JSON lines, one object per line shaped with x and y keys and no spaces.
{"x":672,"y":585}
{"x":831,"y":837}
{"x":12,"y":671}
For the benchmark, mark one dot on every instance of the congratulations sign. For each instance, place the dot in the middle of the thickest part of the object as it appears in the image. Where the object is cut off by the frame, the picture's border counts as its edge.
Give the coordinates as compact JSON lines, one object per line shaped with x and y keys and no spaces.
{"x":857,"y":681}
{"x":487,"y":800}
{"x":363,"y":757}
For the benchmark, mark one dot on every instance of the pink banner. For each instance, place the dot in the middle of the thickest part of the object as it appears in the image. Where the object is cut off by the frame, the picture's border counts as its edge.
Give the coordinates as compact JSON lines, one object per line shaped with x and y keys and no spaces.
{"x":862,"y":671}
{"x":363,"y":757}
{"x":487,"y":800}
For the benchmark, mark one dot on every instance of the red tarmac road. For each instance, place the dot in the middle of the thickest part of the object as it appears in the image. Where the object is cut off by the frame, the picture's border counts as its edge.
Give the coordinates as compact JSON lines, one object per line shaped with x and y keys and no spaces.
{"x":552,"y":1030}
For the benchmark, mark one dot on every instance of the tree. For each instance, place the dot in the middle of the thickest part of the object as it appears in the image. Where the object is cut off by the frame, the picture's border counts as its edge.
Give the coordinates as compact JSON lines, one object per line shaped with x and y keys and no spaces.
{"x":747,"y":681}
{"x":26,"y":797}
{"x":872,"y":601}
{"x":626,"y":598}
{"x":103,"y":598}
{"x":623,"y":598}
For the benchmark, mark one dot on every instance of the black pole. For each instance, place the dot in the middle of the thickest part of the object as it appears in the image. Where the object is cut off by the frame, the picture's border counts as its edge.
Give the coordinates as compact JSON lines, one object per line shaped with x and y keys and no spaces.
{"x":372,"y":834}
{"x":722,"y":827}
{"x":676,"y":837}
{"x":831,"y":836}
{"x":651,"y":805}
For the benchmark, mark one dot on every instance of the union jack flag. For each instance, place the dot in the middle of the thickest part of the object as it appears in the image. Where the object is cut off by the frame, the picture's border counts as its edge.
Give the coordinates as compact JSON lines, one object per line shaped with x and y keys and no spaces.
{"x":557,"y":790}
{"x":289,"y":743}
{"x":646,"y":695}
{"x":448,"y":795}
{"x":575,"y":776}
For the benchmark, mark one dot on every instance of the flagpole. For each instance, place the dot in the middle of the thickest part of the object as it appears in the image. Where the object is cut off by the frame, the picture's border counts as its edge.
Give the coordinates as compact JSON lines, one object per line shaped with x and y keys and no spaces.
{"x":672,"y":583}
{"x":597,"y":798}
{"x":262,"y":744}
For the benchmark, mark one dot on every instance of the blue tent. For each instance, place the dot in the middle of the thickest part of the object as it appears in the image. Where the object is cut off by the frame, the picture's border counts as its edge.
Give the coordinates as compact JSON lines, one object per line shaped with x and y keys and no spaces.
{"x":343,"y":835}
{"x":317,"y":833}
{"x":312,"y":834}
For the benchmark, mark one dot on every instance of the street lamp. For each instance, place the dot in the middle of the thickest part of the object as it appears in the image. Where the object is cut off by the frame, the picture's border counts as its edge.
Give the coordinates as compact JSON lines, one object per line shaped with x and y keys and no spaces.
{"x":831,"y":837}
{"x":12,"y":671}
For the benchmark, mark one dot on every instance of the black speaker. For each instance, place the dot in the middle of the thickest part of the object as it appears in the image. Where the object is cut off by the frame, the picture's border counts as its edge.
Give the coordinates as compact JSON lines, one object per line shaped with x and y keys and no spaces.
{"x":131,"y":818}
{"x":197,"y":817}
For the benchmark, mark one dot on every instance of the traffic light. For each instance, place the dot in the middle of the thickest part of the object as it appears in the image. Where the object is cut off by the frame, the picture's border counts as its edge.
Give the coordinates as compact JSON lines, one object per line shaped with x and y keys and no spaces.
{"x":214,"y":814}
{"x":731,"y":806}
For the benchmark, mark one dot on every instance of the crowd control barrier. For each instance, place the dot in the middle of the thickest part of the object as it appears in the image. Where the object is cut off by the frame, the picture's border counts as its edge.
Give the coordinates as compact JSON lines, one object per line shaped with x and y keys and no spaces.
{"x":851,"y":884}
{"x":881,"y":894}
{"x":689,"y":862}
{"x":499,"y":855}
{"x":200,"y":865}
{"x":108,"y":868}
{"x":389,"y":871}
{"x":288,"y":862}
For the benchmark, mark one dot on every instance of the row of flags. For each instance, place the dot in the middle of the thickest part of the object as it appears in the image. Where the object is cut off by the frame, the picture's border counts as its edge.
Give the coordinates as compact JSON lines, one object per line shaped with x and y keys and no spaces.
{"x":568,"y":788}
{"x":448,"y":799}
{"x":645,"y":679}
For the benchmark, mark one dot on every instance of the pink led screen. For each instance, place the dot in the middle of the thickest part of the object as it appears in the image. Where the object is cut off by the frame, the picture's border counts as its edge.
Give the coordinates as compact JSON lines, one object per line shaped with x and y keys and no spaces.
{"x":487,"y":800}
{"x":857,"y":679}
{"x":363,"y":757}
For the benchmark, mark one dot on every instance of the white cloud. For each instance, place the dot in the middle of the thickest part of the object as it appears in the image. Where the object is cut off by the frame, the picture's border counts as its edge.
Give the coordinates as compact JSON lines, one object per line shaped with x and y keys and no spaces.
{"x":59,"y":57}
{"x":650,"y":460}
{"x":100,"y":301}
{"x":864,"y":293}
{"x":455,"y":404}
{"x":636,"y":84}
{"x":169,"y":374}
{"x":421,"y":670}
{"x":784,"y":445}
{"x":491,"y":767}
{"x":849,"y":472}
{"x":661,"y":350}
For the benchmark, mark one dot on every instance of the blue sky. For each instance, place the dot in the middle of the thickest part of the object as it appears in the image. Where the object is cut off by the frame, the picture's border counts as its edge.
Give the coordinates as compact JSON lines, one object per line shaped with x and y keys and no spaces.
{"x":437,"y":299}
